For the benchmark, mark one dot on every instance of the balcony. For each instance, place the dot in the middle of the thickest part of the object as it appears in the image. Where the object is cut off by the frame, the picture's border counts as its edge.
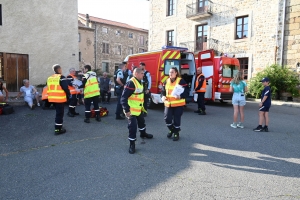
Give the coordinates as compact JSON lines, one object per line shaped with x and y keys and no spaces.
{"x":195,"y":46}
{"x":200,"y":9}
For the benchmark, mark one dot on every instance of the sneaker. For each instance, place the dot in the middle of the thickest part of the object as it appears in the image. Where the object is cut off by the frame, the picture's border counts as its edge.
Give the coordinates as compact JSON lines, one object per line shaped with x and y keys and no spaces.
{"x":265,"y":129}
{"x":240,"y":125}
{"x":60,"y":131}
{"x":258,"y":129}
{"x":233,"y":125}
{"x":38,"y":104}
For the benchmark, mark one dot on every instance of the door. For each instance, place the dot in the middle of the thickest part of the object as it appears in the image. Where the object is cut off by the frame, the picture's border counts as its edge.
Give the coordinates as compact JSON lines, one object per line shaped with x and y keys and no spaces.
{"x":202,"y":6}
{"x":201,"y":37}
{"x":206,"y":61}
{"x":16,"y":69}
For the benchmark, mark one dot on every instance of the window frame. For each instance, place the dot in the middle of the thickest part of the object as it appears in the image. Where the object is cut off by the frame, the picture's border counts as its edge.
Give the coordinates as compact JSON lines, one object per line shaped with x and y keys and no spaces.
{"x":172,"y":32}
{"x":0,"y":14}
{"x":244,"y":65}
{"x":106,"y":67}
{"x":170,"y":7}
{"x":79,"y":56}
{"x":242,"y":24}
{"x":104,"y":28}
{"x":79,"y":37}
{"x":142,"y":40}
{"x":130,"y":34}
{"x":130,"y":50}
{"x":203,"y":36}
{"x":119,"y":49}
{"x":105,"y":48}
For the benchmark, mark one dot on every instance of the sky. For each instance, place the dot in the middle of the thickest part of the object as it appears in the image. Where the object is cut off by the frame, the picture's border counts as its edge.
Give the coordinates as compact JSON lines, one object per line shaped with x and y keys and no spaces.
{"x":132,"y":12}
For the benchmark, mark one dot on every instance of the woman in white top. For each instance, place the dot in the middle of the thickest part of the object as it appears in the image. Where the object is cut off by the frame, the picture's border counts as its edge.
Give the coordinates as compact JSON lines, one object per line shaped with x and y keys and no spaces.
{"x":238,"y":86}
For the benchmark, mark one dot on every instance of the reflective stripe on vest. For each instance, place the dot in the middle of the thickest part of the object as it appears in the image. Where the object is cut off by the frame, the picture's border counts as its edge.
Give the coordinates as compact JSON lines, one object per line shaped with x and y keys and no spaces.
{"x":203,"y":88}
{"x":71,"y":88}
{"x":55,"y":93}
{"x":136,"y":100}
{"x":172,"y":101}
{"x":45,"y":93}
{"x":91,"y":88}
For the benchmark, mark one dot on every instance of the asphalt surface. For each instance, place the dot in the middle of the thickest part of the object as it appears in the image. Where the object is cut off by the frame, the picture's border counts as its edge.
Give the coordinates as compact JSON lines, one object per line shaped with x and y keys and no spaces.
{"x":91,"y":161}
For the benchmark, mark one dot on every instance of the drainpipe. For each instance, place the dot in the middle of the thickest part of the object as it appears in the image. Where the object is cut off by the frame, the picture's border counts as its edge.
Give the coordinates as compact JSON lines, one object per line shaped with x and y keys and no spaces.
{"x":282,"y":34}
{"x":95,"y":51}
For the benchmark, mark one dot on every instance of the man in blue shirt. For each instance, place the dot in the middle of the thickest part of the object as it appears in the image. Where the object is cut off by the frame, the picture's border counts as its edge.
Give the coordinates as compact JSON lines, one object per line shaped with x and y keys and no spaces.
{"x":264,"y":106}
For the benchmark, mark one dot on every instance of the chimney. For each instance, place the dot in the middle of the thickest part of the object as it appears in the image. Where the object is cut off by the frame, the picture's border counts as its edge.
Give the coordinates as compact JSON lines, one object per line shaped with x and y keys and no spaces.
{"x":87,"y":18}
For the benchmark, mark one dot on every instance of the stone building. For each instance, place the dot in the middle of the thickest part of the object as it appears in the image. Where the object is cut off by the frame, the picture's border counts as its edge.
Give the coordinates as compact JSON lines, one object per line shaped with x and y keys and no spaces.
{"x":34,"y":35}
{"x":114,"y":41}
{"x":251,"y":30}
{"x":86,"y":40}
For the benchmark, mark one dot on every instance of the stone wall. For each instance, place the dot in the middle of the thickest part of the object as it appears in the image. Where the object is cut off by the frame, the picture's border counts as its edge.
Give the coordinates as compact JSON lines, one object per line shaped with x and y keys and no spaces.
{"x":86,"y":47}
{"x":46,"y":31}
{"x":291,"y":54}
{"x":262,"y":46}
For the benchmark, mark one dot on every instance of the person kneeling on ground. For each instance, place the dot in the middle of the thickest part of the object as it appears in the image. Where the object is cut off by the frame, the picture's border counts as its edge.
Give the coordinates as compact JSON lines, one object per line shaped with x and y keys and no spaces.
{"x":30,"y":93}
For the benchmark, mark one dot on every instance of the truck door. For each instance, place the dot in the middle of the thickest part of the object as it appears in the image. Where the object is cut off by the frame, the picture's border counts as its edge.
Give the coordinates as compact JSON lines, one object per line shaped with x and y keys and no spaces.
{"x":205,"y":60}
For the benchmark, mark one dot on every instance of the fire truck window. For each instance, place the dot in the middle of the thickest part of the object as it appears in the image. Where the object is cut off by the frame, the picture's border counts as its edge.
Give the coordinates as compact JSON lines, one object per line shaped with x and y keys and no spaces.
{"x":229,"y":71}
{"x":169,"y":64}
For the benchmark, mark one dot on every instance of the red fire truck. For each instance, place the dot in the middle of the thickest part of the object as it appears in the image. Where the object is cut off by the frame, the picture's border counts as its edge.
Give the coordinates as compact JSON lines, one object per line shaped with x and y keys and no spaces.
{"x":218,"y":71}
{"x":158,"y":63}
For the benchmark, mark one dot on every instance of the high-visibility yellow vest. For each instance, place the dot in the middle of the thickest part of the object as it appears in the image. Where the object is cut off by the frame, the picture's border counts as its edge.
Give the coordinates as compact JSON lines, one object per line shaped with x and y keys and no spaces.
{"x":170,"y":100}
{"x":203,"y":88}
{"x":91,"y":88}
{"x":136,"y":100}
{"x":71,"y":88}
{"x":55,"y":93}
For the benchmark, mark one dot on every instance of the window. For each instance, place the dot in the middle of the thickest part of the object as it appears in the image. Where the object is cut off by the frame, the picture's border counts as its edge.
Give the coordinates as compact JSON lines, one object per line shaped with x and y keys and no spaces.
{"x":169,"y":64}
{"x":241,"y":28}
{"x":79,"y":55}
{"x":171,"y":7}
{"x":130,"y":35}
{"x":1,"y":66}
{"x":244,"y":66}
{"x":79,"y":37}
{"x":105,"y":48}
{"x":104,"y":30}
{"x":118,"y":50}
{"x":229,"y":70}
{"x":202,"y":5}
{"x":141,"y":50}
{"x":130,"y":50}
{"x":170,"y":38}
{"x":105,"y":67}
{"x":142,"y":41}
{"x":0,"y":15}
{"x":118,"y":32}
{"x":201,"y":37}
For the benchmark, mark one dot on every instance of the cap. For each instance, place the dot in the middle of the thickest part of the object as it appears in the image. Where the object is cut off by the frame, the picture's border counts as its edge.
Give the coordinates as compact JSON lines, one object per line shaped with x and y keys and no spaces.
{"x":265,"y":79}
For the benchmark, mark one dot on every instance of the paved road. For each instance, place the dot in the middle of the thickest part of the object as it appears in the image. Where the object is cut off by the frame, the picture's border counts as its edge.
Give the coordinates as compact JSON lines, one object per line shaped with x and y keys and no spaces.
{"x":210,"y":161}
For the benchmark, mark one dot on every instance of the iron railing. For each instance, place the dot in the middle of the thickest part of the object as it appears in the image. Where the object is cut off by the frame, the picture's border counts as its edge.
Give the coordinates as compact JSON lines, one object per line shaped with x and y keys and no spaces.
{"x":194,"y":10}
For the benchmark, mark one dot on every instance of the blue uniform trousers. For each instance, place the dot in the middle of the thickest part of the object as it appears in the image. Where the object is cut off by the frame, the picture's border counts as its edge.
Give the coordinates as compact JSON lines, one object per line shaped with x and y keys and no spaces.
{"x":88,"y":102}
{"x":172,"y":116}
{"x":60,"y":109}
{"x":133,"y":123}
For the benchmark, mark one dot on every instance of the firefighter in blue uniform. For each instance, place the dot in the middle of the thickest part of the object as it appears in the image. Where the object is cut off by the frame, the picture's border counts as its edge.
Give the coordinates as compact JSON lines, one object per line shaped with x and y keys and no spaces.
{"x":132,"y":101}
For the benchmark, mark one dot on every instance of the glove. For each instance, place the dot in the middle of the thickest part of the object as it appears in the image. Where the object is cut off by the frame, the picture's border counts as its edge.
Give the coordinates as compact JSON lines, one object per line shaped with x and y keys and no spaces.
{"x":163,"y":99}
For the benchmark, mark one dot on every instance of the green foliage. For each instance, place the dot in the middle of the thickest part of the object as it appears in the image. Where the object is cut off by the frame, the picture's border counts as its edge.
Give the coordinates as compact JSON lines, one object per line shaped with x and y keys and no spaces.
{"x":281,"y":80}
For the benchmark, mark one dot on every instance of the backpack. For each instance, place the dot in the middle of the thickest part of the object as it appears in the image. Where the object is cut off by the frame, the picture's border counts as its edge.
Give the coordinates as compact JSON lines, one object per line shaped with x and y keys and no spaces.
{"x":6,"y":109}
{"x":103,"y":112}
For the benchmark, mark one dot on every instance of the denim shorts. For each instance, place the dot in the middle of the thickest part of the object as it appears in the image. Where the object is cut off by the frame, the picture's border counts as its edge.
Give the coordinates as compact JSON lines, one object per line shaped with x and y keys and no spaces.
{"x":239,"y":99}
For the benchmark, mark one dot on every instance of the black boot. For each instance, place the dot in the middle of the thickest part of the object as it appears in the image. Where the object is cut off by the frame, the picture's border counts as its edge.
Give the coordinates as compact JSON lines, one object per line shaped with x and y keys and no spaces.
{"x":87,"y":120}
{"x":132,"y":147}
{"x":171,"y":129}
{"x":98,"y":119}
{"x":70,"y":114}
{"x":60,"y":131}
{"x":145,"y":135}
{"x":119,"y":117}
{"x":176,"y":136}
{"x":202,"y":112}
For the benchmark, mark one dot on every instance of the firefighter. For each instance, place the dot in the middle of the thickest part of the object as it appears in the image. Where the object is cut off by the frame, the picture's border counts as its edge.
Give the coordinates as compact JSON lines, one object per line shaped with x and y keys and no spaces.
{"x":147,"y":86}
{"x":120,"y":81}
{"x":200,"y":89}
{"x":46,"y":104}
{"x":91,"y":93}
{"x":57,"y":93}
{"x":132,"y":101}
{"x":74,"y":93}
{"x":173,"y":105}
